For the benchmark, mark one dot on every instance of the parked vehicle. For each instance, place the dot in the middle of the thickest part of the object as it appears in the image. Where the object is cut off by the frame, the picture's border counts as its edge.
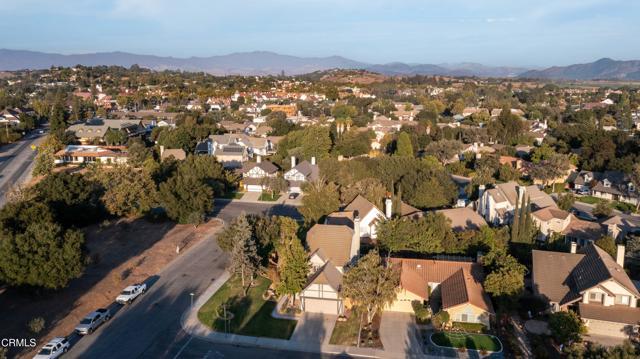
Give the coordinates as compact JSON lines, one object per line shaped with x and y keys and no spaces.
{"x":53,"y":349}
{"x":583,"y":192}
{"x":92,"y":321}
{"x":130,"y":293}
{"x":294,"y":195}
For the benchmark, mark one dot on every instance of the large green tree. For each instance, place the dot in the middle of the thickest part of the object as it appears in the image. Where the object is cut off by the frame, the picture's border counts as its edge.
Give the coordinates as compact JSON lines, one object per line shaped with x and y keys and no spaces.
{"x":370,"y":285}
{"x":428,"y":234}
{"x":186,"y":199}
{"x":320,"y":199}
{"x":404,"y":148}
{"x":566,"y":327}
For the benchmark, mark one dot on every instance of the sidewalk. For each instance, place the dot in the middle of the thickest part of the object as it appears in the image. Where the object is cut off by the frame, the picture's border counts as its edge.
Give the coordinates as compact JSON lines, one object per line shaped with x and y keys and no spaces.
{"x":192,"y":326}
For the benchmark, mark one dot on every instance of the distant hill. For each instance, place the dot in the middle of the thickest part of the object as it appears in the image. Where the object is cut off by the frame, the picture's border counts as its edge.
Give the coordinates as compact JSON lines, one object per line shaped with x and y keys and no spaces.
{"x":604,"y":69}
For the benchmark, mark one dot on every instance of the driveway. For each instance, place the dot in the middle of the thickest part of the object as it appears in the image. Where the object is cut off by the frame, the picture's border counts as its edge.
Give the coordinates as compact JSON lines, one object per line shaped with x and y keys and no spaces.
{"x":314,"y":328}
{"x":398,"y":333}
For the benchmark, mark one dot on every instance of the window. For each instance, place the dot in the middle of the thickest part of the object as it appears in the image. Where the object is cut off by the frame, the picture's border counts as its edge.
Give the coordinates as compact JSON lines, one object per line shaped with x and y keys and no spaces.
{"x":464,"y":318}
{"x":623,"y":299}
{"x":595,"y":297}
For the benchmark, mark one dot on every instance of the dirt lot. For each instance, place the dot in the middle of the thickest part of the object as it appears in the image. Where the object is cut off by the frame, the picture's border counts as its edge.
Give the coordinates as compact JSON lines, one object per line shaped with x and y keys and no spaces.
{"x":120,"y":254}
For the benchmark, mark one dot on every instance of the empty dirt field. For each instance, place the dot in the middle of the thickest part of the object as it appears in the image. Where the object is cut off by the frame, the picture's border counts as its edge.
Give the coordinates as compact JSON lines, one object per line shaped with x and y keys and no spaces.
{"x":119,"y":254}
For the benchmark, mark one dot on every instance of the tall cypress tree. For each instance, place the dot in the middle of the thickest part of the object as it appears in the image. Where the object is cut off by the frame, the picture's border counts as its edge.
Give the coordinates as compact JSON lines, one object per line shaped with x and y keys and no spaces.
{"x":515,"y":222}
{"x":528,"y":224}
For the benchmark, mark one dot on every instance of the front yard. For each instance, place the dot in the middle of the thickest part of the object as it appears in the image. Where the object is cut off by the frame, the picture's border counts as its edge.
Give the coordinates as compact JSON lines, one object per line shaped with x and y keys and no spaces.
{"x":268,"y":197}
{"x":250,"y":315}
{"x":467,"y":341}
{"x":346,"y":333}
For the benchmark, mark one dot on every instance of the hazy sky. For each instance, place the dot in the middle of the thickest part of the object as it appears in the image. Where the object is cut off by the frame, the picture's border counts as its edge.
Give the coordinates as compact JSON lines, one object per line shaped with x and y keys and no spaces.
{"x":501,"y":32}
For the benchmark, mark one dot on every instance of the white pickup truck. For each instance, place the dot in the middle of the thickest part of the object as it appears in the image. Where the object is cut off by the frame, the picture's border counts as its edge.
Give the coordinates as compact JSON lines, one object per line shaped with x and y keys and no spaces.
{"x":130,"y":293}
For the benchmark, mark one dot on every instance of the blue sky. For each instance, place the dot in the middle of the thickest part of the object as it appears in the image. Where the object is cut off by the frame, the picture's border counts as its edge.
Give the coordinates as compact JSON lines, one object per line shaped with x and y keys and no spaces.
{"x":500,"y":32}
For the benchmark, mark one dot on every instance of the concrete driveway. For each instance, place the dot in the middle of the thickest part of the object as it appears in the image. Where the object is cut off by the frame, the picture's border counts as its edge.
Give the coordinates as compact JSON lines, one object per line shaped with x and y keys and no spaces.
{"x":398,"y":333}
{"x":314,"y":328}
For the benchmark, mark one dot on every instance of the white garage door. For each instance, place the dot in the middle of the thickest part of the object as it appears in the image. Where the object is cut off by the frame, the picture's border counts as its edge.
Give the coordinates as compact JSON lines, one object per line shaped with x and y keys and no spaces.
{"x":324,"y":306}
{"x":254,"y":188}
{"x":611,"y":329}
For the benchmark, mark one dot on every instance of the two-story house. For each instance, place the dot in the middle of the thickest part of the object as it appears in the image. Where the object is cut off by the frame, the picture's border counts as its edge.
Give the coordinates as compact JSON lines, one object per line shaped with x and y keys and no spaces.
{"x":497,"y":204}
{"x":332,"y":248}
{"x":254,"y":173}
{"x":610,"y":185}
{"x":553,"y":220}
{"x":592,"y":283}
{"x":301,"y":173}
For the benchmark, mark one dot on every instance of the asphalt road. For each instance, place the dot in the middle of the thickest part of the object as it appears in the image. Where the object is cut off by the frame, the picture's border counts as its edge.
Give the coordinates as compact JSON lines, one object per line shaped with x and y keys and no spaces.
{"x":15,"y":162}
{"x":150,"y":328}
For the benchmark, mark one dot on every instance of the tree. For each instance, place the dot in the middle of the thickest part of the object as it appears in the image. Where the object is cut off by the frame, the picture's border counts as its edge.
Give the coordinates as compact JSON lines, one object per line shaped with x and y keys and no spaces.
{"x":566,"y":201}
{"x":608,"y":244}
{"x":602,"y":209}
{"x":137,"y":153}
{"x":320,"y":198}
{"x":293,"y":267}
{"x":370,"y":285}
{"x":74,"y":198}
{"x":115,"y":137}
{"x":550,"y":169}
{"x":428,"y":234}
{"x":444,"y":150}
{"x":440,"y":319}
{"x":128,"y":193}
{"x":36,"y":251}
{"x":245,"y":261}
{"x":635,"y":178}
{"x":238,"y":229}
{"x":370,"y":188}
{"x":566,"y":327}
{"x":275,"y":185}
{"x":404,"y":148}
{"x":185,"y":198}
{"x":45,"y":157}
{"x":506,"y":277}
{"x":428,"y":188}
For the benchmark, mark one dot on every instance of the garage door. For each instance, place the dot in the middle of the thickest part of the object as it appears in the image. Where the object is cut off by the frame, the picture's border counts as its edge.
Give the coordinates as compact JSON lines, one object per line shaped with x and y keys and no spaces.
{"x":254,"y":188}
{"x":611,"y":329}
{"x":323,"y":306}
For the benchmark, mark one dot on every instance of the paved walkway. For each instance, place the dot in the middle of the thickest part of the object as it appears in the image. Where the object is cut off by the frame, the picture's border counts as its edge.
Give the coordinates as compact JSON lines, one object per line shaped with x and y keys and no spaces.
{"x":521,"y":335}
{"x":193,"y":327}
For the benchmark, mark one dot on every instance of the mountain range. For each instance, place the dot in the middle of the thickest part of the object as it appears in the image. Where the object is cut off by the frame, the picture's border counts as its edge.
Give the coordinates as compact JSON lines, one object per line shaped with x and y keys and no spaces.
{"x":270,"y":63}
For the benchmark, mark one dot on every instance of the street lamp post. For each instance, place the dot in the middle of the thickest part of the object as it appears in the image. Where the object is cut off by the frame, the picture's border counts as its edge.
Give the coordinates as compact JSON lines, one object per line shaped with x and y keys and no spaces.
{"x":191,"y":294}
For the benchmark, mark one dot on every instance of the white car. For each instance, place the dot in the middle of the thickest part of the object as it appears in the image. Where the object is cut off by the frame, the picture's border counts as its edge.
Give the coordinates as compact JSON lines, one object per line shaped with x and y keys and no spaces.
{"x":54,"y":349}
{"x":130,"y":293}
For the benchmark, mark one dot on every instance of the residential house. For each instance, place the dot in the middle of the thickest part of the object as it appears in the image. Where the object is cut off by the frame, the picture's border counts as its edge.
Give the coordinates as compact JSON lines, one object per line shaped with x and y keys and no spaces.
{"x":301,"y":173}
{"x":95,"y":129}
{"x":592,"y":283}
{"x":234,"y":149}
{"x":463,"y":219}
{"x":496,"y":205}
{"x":254,"y":174}
{"x":455,"y":287}
{"x":332,"y":248}
{"x":552,"y":220}
{"x":74,"y":154}
{"x":369,"y":215}
{"x":610,"y":185}
{"x":620,"y":225}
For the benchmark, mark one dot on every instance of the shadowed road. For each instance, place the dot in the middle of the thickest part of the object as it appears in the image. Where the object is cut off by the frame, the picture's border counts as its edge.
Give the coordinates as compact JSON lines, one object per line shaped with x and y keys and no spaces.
{"x":15,"y":162}
{"x":150,"y":328}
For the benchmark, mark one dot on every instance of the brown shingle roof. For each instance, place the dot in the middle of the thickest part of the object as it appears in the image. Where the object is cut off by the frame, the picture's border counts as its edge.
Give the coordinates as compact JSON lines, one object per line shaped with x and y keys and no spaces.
{"x":615,"y":313}
{"x":549,"y":213}
{"x":266,"y":166}
{"x":462,"y":288}
{"x":327,"y":274}
{"x":360,"y":205}
{"x":333,"y":240}
{"x":344,"y":218}
{"x":463,"y":219}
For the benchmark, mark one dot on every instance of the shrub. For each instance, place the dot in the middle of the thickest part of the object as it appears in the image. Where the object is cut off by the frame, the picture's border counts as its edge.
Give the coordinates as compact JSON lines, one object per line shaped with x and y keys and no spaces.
{"x":470,"y":327}
{"x":440,"y":319}
{"x":36,"y":325}
{"x":422,"y":312}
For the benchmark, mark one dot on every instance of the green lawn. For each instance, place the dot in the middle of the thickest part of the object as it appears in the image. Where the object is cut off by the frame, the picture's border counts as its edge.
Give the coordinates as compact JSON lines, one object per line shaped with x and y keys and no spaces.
{"x":266,"y":196}
{"x":251,"y":314}
{"x":465,"y":340}
{"x":346,"y":333}
{"x":620,"y":206}
{"x":589,"y":199}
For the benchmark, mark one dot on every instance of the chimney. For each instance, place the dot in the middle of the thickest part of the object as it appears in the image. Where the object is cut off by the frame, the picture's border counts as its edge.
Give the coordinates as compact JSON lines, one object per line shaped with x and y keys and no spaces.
{"x":293,"y":161}
{"x":620,"y":255}
{"x":481,"y":189}
{"x":521,"y":190}
{"x":388,"y":207}
{"x":259,"y":159}
{"x":161,"y":150}
{"x":313,"y":161}
{"x":574,"y":247}
{"x":355,"y":240}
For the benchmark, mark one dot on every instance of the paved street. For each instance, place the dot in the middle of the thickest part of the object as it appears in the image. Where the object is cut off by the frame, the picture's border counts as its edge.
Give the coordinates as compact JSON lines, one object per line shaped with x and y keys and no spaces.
{"x":15,"y":162}
{"x":150,"y":327}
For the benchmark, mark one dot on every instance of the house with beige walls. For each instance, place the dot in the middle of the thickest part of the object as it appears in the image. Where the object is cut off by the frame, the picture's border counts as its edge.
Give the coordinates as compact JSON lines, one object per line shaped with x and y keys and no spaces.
{"x":455,"y":286}
{"x":592,"y":283}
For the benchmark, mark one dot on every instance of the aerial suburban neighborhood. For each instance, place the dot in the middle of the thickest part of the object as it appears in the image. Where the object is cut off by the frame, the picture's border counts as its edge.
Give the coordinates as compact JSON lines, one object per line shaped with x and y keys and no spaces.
{"x":258,"y":205}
